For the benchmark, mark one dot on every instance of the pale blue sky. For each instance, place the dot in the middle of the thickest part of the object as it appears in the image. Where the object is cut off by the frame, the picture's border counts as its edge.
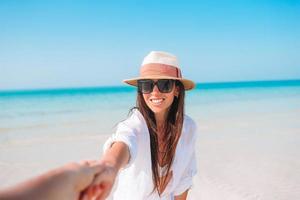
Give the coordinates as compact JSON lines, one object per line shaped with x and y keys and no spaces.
{"x":50,"y":44}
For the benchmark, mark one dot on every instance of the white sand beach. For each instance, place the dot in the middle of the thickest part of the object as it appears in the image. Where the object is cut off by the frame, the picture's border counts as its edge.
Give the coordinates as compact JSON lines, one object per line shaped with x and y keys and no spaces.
{"x":246,"y":150}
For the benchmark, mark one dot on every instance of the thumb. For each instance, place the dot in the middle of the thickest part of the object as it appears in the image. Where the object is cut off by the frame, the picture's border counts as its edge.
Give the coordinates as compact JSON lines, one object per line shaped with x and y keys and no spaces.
{"x":99,"y":178}
{"x":96,"y":168}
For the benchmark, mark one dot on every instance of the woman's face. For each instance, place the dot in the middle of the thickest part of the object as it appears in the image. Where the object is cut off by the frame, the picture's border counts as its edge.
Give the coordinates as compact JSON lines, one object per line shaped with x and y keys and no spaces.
{"x":159,"y":102}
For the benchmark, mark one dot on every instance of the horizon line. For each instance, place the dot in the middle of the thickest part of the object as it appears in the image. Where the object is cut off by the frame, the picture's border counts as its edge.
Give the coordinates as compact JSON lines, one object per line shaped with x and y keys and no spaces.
{"x":205,"y":85}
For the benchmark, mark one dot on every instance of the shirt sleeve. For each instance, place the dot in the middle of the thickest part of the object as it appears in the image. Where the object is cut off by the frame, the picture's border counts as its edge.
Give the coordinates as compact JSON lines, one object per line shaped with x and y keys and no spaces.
{"x":126,"y":135}
{"x":186,"y":180}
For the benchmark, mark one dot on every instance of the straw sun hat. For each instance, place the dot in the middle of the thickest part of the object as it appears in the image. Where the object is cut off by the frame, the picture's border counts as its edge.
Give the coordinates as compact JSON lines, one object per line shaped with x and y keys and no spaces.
{"x":161,"y":65}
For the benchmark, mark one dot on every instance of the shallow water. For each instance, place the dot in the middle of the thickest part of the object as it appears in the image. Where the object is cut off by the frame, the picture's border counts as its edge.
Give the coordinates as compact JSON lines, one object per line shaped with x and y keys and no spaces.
{"x":99,"y":109}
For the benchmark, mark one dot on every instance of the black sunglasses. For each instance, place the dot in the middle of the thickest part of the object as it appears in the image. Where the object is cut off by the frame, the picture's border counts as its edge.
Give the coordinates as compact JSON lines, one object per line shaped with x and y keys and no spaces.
{"x":146,"y":86}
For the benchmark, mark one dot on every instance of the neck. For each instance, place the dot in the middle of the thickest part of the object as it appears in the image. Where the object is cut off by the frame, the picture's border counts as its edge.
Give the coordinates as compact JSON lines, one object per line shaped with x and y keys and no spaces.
{"x":160,"y":119}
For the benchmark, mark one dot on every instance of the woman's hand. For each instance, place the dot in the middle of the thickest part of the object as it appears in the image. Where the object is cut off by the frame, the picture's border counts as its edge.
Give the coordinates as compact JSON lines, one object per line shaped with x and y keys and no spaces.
{"x":102,"y":183}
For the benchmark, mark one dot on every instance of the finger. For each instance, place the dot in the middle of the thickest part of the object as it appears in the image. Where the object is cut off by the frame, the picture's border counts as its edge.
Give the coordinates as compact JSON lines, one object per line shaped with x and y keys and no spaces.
{"x":100,"y":198}
{"x":104,"y":193}
{"x":83,"y":196}
{"x":98,"y":191}
{"x":89,"y":193}
{"x":94,"y":189}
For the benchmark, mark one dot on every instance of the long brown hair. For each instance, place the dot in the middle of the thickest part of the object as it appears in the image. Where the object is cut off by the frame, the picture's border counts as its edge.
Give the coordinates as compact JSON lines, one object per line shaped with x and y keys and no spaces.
{"x":171,"y":133}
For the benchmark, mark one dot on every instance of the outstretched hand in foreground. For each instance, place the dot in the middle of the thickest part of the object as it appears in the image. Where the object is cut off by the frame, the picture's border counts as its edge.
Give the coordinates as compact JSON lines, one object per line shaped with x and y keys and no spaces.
{"x":74,"y":181}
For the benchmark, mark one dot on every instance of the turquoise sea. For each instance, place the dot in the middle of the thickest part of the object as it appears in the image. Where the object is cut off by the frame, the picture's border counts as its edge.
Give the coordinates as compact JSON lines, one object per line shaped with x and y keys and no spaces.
{"x":97,"y":110}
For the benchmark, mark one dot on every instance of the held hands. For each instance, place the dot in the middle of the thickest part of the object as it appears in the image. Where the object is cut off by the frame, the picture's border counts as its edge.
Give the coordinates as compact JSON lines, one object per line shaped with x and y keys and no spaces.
{"x":92,"y":180}
{"x":87,"y":180}
{"x":102,"y":183}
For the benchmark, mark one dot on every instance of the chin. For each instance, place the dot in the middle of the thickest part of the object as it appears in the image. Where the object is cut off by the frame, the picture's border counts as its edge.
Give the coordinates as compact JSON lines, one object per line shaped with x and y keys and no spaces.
{"x":157,"y":110}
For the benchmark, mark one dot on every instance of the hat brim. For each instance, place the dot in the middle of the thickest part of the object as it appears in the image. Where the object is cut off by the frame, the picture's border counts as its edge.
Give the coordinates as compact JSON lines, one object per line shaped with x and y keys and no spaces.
{"x":188,"y":84}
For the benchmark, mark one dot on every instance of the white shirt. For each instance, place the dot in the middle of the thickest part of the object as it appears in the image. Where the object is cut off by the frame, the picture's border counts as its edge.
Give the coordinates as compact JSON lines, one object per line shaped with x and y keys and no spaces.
{"x":135,"y":179}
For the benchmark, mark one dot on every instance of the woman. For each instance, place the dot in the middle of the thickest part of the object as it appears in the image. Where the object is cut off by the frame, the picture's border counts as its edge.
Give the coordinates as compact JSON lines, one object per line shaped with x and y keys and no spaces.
{"x":153,"y":150}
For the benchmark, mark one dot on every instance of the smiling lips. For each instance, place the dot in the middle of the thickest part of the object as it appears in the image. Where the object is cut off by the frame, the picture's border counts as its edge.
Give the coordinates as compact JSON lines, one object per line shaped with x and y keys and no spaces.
{"x":157,"y":101}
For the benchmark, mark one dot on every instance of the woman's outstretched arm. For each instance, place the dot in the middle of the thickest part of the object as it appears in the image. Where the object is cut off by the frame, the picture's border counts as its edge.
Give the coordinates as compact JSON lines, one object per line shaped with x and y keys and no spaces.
{"x":117,"y":155}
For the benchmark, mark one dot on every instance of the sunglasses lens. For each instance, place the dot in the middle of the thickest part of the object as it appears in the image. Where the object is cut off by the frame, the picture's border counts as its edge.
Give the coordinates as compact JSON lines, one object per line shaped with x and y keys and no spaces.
{"x":145,"y":86}
{"x":165,"y":85}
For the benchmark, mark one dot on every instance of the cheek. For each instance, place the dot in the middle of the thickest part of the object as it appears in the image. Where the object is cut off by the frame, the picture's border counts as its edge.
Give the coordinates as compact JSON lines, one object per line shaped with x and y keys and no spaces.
{"x":170,"y":100}
{"x":145,"y":97}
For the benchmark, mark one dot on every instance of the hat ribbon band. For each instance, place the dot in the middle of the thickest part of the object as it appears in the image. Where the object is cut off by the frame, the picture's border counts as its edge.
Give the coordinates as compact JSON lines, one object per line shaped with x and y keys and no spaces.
{"x":160,"y":70}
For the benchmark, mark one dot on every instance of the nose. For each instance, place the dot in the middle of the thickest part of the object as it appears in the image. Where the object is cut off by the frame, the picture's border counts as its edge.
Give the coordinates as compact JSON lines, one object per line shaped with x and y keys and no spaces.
{"x":155,"y":89}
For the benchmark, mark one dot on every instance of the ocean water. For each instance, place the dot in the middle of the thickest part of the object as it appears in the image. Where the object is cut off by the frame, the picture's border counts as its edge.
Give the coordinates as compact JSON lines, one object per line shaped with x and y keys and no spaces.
{"x":42,"y":113}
